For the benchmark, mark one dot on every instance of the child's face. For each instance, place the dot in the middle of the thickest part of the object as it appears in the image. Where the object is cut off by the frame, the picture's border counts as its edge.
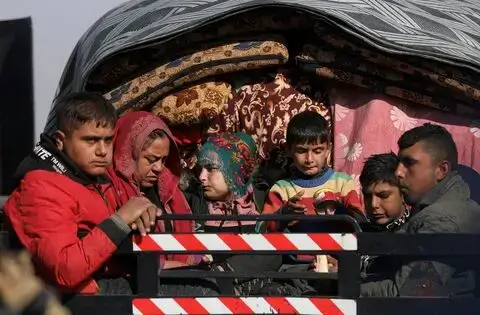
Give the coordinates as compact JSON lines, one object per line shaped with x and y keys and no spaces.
{"x":214,"y":186}
{"x":310,"y":158}
{"x":383,"y":203}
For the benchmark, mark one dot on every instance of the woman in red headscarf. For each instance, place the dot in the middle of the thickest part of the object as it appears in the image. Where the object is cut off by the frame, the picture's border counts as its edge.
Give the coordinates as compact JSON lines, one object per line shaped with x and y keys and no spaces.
{"x":146,"y":162}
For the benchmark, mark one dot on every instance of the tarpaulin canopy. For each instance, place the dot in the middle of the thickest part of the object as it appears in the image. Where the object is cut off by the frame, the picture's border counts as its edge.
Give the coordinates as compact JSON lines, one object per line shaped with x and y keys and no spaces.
{"x":443,"y":30}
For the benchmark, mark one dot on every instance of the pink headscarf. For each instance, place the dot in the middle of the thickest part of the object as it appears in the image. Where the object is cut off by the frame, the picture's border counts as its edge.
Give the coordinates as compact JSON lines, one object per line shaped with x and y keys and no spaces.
{"x":131,"y":133}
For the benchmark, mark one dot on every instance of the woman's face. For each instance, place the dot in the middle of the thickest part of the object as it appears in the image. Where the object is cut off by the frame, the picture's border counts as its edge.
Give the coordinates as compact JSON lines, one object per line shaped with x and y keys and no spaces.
{"x":214,"y":186}
{"x":151,"y":161}
{"x":383,"y":203}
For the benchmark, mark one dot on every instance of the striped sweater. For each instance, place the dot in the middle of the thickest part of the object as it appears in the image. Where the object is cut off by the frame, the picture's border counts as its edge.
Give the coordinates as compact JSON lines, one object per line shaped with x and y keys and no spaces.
{"x":340,"y":183}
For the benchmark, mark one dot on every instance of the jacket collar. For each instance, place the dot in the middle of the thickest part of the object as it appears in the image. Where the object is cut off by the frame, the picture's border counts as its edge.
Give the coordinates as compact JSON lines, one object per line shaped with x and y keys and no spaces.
{"x":46,"y":156}
{"x":451,"y":187}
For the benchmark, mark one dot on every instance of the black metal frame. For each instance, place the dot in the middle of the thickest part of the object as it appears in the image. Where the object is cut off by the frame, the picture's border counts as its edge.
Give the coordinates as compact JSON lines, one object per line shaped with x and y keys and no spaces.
{"x":348,"y":276}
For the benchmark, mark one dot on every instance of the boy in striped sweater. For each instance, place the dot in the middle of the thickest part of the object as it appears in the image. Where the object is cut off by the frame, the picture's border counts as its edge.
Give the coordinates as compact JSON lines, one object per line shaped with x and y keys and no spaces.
{"x":308,"y":143}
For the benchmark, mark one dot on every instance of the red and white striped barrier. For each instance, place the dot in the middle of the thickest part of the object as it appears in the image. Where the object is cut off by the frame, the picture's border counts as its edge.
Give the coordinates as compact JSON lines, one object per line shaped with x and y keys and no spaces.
{"x":244,"y":305}
{"x":245,"y":242}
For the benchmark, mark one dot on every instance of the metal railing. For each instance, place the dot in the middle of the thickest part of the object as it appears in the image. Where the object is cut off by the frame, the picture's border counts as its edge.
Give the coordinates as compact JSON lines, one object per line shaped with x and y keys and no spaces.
{"x":348,"y":247}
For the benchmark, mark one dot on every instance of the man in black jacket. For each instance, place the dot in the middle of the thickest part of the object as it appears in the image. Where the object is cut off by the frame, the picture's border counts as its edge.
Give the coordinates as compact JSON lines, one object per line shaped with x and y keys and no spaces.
{"x":440,"y":200}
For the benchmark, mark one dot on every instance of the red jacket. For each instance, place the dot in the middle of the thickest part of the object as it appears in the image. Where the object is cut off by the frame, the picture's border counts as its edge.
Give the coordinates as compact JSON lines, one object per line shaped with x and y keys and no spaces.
{"x":48,"y":210}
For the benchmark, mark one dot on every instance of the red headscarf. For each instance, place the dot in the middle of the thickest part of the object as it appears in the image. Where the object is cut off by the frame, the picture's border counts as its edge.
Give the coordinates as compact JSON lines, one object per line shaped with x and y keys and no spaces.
{"x":131,"y":133}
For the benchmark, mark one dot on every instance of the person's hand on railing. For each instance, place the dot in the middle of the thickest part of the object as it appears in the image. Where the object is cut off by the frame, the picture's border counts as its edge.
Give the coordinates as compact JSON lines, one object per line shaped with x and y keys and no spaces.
{"x":325,"y":263}
{"x":139,"y":213}
{"x":294,"y":205}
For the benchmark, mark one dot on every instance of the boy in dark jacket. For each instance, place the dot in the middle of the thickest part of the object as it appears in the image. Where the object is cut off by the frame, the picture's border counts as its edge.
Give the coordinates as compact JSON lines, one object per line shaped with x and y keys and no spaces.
{"x":384,"y":204}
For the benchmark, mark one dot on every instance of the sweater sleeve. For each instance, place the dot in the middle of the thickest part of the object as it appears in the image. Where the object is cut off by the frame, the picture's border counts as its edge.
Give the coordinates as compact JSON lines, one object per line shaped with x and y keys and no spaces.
{"x":273,"y":202}
{"x":350,"y":196}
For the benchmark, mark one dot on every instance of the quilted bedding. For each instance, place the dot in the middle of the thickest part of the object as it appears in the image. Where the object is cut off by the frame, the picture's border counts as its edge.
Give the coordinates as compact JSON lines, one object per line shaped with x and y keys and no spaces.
{"x":249,"y":65}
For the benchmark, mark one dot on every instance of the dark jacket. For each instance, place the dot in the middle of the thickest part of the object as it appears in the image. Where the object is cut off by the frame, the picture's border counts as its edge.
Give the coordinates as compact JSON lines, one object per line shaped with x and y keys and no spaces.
{"x":445,"y":209}
{"x":378,"y":266}
{"x":64,"y":219}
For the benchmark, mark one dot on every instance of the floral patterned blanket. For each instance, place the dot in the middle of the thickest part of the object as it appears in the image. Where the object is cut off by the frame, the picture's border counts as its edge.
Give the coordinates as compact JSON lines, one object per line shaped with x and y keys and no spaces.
{"x":356,"y":138}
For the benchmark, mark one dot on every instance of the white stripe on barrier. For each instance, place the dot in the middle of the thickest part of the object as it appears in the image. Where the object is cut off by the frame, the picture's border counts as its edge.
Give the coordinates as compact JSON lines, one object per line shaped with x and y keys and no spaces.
{"x":244,"y":305}
{"x":241,"y":242}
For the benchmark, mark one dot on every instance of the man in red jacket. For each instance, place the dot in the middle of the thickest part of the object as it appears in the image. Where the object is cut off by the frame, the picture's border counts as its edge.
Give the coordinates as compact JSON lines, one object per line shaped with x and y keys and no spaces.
{"x":63,"y":209}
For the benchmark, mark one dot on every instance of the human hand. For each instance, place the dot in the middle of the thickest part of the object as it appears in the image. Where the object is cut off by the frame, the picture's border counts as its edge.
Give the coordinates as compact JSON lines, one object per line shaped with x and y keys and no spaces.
{"x":18,"y":285}
{"x":139,"y":213}
{"x":207,"y":259}
{"x":294,"y":205}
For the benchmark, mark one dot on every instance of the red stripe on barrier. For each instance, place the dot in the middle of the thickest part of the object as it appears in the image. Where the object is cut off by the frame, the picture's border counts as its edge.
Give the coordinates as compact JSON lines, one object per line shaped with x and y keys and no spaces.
{"x":327,"y":306}
{"x":146,"y":243}
{"x":280,"y":241}
{"x":281,"y":305}
{"x":147,"y":307}
{"x":235,"y":242}
{"x":190,"y":242}
{"x":236,"y":306}
{"x":325,"y":241}
{"x":244,"y":242}
{"x":243,"y":305}
{"x":191,"y":306}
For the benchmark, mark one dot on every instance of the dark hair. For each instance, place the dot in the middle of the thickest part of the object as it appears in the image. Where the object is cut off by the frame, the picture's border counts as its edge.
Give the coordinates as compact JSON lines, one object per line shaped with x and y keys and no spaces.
{"x":79,"y":108}
{"x":307,"y":127}
{"x":379,"y":168}
{"x":437,"y":139}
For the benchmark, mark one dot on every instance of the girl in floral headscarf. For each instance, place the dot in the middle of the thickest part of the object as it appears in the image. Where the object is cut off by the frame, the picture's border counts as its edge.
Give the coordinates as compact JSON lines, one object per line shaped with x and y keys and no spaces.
{"x":225,"y":164}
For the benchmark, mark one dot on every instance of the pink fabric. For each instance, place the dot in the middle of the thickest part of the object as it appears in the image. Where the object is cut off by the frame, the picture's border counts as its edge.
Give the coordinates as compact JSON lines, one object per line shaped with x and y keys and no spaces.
{"x":241,"y":206}
{"x":131,"y":133}
{"x":367,"y":123}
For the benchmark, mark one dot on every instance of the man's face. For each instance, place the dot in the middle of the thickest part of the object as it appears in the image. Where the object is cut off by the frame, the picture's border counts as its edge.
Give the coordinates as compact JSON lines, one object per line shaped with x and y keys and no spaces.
{"x":310,"y":158}
{"x":418,"y":172}
{"x":89,"y":147}
{"x":383,"y":202}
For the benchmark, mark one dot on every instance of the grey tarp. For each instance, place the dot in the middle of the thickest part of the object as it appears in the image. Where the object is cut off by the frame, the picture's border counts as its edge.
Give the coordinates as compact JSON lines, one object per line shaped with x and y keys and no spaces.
{"x":438,"y":29}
